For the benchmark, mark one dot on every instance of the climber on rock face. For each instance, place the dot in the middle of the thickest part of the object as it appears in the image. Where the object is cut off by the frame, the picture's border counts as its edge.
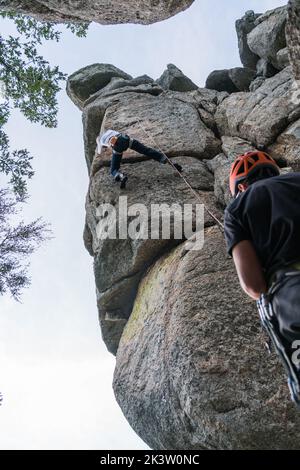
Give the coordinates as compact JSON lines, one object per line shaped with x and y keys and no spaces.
{"x":120,"y":143}
{"x":262,"y":231}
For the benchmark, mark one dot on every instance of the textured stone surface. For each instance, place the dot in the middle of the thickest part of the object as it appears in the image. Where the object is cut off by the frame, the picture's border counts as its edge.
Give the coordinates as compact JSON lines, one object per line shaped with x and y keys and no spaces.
{"x":165,"y":122}
{"x":205,"y":101}
{"x":95,"y":109}
{"x":293,"y":35}
{"x":282,"y":58}
{"x":118,"y":263}
{"x":241,"y":77}
{"x":243,"y":27}
{"x":231,"y":80}
{"x":268,"y":37}
{"x":260,"y":116}
{"x":100,"y":11}
{"x":287,"y":146}
{"x":256,"y":83}
{"x":265,"y":69}
{"x":220,"y":80}
{"x":174,"y":79}
{"x":192,"y":370}
{"x":88,"y":80}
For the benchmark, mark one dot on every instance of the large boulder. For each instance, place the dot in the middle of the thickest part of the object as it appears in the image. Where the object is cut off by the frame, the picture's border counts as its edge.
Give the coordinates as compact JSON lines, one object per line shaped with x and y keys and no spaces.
{"x":265,"y":69}
{"x":192,"y":371}
{"x":170,"y":124}
{"x":88,"y":80}
{"x":117,"y":91}
{"x":205,"y":101}
{"x":258,"y":82}
{"x":268,"y":37}
{"x":260,"y":116}
{"x":282,"y":58}
{"x":120,"y":262}
{"x":293,"y":36}
{"x":174,"y":79}
{"x":231,"y":80}
{"x":243,"y":27}
{"x":287,"y":146}
{"x":220,"y":80}
{"x":241,"y":77}
{"x":114,"y":12}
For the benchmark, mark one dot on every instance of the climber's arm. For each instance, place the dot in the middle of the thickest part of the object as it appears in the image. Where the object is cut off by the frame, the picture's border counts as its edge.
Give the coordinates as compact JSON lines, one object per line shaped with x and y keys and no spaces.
{"x":249,"y":269}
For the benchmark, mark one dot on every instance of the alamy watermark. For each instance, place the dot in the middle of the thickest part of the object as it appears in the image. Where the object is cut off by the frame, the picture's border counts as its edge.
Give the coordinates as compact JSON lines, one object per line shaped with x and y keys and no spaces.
{"x":157,"y":222}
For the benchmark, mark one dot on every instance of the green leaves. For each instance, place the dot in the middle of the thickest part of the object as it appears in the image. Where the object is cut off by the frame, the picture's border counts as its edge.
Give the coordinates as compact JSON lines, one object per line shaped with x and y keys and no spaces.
{"x":16,"y":244}
{"x":38,"y":31}
{"x":31,"y":85}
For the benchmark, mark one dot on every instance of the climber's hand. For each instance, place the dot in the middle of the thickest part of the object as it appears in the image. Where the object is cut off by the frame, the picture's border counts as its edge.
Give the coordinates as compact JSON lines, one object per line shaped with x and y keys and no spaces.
{"x":178,"y":167}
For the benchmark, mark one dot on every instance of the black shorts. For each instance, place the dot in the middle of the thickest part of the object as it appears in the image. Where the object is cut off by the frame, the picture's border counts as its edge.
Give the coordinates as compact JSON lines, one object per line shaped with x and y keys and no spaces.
{"x":286,"y":304}
{"x":122,"y":143}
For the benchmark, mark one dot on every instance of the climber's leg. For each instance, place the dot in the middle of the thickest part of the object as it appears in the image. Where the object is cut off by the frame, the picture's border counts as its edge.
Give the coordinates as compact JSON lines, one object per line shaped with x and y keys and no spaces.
{"x":115,"y":169}
{"x":148,"y":151}
{"x":115,"y":163}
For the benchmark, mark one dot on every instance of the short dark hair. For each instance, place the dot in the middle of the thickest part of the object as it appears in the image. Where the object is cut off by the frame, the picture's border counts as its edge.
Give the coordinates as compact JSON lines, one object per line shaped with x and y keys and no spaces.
{"x":260,"y":174}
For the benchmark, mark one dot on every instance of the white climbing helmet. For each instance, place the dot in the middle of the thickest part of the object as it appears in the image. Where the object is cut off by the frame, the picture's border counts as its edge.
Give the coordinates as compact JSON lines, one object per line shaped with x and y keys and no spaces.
{"x":103,"y":140}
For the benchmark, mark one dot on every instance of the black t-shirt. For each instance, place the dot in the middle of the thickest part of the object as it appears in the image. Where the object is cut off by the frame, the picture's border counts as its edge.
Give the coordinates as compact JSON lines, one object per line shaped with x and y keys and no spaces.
{"x":268,"y":214}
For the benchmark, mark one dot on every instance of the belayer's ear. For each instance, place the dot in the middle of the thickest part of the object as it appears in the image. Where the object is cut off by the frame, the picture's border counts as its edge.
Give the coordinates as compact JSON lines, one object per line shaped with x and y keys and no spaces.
{"x":242,"y":187}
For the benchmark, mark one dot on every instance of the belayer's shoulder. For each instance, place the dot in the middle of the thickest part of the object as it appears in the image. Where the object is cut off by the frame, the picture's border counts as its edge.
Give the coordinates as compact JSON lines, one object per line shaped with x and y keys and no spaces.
{"x":232,"y":207}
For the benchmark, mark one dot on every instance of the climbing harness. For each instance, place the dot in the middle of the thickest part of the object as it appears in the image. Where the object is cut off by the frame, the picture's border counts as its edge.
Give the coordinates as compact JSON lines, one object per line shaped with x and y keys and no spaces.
{"x":271,"y":326}
{"x":219,"y":223}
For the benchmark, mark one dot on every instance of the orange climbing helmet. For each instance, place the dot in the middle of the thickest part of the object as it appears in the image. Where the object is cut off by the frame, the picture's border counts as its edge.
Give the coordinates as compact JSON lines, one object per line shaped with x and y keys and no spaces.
{"x":246,"y":165}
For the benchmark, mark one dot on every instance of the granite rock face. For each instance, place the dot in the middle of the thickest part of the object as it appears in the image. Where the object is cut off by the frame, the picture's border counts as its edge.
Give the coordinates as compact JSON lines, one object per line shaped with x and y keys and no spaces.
{"x":244,"y":26}
{"x":231,"y":80}
{"x":142,"y":108}
{"x":87,"y":81}
{"x":268,"y":37}
{"x":119,"y":263}
{"x":192,"y":370}
{"x":293,"y":36}
{"x":174,"y":79}
{"x":100,"y":11}
{"x":143,"y":111}
{"x":262,"y":115}
{"x":287,"y":146}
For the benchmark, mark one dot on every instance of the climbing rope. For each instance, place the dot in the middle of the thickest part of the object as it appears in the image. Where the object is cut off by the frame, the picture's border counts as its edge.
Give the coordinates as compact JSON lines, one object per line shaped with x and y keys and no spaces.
{"x":219,"y":223}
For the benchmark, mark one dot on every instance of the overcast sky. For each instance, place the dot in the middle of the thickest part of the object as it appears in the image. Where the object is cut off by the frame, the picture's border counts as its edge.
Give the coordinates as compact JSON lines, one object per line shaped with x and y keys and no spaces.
{"x":55,"y":372}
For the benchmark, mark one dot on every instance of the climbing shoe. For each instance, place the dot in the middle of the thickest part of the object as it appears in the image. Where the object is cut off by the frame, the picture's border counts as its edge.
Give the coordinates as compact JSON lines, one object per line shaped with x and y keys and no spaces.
{"x":123,"y":180}
{"x":178,"y":167}
{"x":121,"y":177}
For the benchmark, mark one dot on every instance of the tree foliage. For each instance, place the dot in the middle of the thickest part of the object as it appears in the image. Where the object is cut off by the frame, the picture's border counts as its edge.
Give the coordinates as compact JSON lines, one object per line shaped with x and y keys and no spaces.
{"x":17,"y":242}
{"x":30,"y":84}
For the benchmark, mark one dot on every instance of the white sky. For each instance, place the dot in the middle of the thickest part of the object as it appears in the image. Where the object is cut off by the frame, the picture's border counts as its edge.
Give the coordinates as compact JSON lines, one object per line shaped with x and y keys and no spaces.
{"x":55,"y":372}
